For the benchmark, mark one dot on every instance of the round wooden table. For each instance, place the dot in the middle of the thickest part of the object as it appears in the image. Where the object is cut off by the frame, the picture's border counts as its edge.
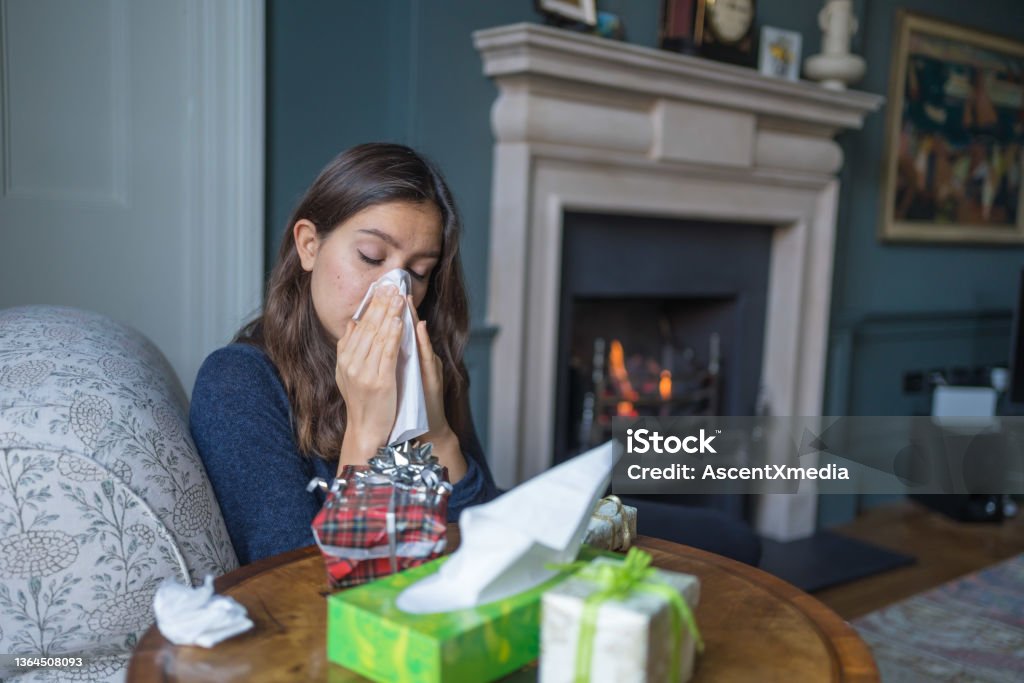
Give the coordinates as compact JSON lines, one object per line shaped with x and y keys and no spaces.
{"x":756,"y":627}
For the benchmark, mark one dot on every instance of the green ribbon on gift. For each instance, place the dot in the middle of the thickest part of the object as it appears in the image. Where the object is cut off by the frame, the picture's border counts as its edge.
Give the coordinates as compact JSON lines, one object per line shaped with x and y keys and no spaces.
{"x":617,"y":581}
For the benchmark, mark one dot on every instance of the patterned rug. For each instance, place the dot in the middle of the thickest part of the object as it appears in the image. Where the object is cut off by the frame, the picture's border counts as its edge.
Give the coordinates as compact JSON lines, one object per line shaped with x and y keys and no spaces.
{"x":970,"y":629}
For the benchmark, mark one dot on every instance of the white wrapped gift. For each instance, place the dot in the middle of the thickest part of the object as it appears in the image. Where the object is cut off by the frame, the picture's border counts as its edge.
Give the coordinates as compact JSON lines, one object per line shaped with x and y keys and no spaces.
{"x":634,"y":637}
{"x":612,"y":525}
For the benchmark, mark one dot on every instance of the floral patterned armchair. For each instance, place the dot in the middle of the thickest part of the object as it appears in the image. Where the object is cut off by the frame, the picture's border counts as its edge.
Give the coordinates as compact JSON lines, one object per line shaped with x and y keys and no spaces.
{"x":102,"y":494}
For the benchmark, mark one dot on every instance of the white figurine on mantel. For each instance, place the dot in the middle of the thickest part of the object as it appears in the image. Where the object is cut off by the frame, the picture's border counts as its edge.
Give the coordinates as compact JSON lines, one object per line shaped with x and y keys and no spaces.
{"x":835,"y":67}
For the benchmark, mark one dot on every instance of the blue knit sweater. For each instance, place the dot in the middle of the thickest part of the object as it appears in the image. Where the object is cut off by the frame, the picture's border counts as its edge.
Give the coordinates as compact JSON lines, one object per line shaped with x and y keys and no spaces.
{"x":241,"y":424}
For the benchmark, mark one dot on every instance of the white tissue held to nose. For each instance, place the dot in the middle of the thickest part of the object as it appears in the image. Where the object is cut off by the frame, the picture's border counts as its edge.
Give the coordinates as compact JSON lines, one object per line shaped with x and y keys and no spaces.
{"x":411,"y":417}
{"x":195,"y":616}
{"x":398,"y":278}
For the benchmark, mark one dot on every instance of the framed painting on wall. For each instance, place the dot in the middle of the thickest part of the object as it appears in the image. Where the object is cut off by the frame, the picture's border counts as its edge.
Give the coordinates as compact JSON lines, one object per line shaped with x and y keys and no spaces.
{"x":954,"y":135}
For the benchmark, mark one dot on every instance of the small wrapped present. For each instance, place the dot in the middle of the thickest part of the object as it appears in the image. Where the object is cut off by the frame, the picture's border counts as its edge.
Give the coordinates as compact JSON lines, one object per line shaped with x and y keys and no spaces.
{"x":385,"y":517}
{"x":620,"y":622}
{"x":612,"y":525}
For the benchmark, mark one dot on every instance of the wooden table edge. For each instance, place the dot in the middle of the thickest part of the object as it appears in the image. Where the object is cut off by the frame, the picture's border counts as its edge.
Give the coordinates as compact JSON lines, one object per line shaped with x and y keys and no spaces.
{"x":850,"y":653}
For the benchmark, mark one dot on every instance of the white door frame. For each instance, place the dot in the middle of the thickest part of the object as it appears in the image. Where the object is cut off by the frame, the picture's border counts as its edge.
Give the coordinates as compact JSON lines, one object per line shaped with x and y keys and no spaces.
{"x":205,"y":175}
{"x":225,"y":183}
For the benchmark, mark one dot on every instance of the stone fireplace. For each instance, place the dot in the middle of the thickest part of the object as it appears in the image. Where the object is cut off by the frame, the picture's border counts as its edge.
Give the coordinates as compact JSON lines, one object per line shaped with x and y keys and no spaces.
{"x":584,"y":125}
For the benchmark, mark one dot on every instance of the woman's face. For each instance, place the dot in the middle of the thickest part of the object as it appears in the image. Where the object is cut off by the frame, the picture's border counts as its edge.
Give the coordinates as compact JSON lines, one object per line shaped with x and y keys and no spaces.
{"x":351,"y":257}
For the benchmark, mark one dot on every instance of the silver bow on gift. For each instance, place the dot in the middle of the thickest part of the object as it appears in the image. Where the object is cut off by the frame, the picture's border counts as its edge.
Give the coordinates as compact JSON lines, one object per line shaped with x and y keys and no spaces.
{"x":408,"y":467}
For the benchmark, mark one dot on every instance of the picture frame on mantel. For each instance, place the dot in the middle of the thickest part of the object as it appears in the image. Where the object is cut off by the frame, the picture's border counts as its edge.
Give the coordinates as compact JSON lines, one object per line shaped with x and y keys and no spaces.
{"x":954,"y":135}
{"x":583,"y":11}
{"x":779,"y":53}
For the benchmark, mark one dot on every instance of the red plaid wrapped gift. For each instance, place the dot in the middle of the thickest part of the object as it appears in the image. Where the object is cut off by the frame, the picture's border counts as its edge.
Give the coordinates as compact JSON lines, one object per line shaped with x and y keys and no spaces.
{"x":383,"y":518}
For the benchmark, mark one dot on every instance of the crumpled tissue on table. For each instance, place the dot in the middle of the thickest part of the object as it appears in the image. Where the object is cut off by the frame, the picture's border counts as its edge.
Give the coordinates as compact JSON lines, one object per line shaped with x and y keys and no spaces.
{"x":411,"y":418}
{"x":195,"y":616}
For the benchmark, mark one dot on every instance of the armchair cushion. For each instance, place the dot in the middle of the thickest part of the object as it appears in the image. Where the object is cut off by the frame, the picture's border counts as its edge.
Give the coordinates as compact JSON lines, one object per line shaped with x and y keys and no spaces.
{"x":102,"y":494}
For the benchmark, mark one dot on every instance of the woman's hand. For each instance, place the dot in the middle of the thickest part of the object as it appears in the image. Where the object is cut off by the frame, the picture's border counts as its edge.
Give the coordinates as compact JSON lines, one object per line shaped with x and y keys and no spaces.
{"x":366,"y":375}
{"x":446,"y":443}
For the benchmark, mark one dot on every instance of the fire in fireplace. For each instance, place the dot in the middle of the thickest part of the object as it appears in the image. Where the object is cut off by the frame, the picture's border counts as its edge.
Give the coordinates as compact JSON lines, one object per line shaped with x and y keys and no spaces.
{"x":657,"y":317}
{"x":672,"y":380}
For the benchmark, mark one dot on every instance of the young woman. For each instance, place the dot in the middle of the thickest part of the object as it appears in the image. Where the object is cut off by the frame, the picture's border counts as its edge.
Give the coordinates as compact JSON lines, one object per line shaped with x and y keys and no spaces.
{"x":304,"y":389}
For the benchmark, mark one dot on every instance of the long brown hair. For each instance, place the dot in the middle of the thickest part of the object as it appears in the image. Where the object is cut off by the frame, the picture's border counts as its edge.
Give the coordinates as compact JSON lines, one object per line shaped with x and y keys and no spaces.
{"x":289,"y":330}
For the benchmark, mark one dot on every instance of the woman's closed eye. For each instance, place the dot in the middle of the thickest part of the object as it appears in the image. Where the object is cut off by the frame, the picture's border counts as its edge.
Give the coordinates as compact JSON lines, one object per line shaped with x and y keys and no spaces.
{"x":371,"y":261}
{"x":422,"y":277}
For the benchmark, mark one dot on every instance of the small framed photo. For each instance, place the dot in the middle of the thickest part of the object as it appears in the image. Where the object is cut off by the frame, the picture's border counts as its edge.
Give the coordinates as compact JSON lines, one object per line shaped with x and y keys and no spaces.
{"x":779,"y":55}
{"x":583,"y":11}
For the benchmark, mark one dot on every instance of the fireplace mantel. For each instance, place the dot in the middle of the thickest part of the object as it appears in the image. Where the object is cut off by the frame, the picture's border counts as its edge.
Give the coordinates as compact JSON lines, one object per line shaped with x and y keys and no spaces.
{"x":587,"y":124}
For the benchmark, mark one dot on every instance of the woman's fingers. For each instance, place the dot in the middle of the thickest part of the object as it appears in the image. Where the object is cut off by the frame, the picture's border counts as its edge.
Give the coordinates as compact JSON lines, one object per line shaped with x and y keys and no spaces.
{"x":423,"y":343}
{"x":428,"y":359}
{"x":426,"y":349}
{"x":375,"y":313}
{"x":366,"y":346}
{"x":350,"y":327}
{"x":388,"y":334}
{"x":344,"y":347}
{"x":371,"y":332}
{"x":412,"y":307}
{"x":341,"y":347}
{"x":365,"y":326}
{"x":388,"y":360}
{"x":433,"y":382}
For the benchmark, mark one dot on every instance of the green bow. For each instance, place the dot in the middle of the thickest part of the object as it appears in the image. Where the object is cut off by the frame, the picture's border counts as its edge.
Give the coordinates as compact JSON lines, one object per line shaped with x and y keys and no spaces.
{"x":617,"y":581}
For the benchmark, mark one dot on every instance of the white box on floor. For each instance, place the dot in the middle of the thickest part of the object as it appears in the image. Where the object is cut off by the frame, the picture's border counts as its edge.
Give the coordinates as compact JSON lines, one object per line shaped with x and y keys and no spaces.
{"x":964,"y":401}
{"x":633,"y":638}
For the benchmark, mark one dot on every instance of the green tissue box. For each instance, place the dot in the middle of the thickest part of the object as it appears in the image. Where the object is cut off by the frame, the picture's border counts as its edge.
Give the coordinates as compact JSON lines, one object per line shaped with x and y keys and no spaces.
{"x":368,"y":634}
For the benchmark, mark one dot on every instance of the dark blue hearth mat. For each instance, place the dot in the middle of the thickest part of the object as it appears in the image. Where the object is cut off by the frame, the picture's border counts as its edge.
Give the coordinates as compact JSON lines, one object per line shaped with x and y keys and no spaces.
{"x":827,"y":559}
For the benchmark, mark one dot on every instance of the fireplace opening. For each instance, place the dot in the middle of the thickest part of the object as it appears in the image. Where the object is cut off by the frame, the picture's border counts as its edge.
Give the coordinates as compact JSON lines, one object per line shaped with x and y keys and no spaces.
{"x":643,"y":356}
{"x":658,"y":316}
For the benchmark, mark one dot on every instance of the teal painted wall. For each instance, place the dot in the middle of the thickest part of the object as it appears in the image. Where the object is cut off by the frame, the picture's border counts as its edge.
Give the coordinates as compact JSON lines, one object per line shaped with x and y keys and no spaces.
{"x":330,"y":84}
{"x":345,"y":72}
{"x":898,"y":308}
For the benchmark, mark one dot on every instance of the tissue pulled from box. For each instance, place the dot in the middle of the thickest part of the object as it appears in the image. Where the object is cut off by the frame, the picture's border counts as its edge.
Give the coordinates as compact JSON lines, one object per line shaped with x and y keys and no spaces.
{"x":195,"y":616}
{"x":510,"y":544}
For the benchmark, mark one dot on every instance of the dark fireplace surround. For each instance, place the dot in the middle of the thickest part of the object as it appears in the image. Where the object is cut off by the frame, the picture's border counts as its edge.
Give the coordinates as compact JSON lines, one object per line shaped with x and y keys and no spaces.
{"x":622,"y":274}
{"x":634,"y":278}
